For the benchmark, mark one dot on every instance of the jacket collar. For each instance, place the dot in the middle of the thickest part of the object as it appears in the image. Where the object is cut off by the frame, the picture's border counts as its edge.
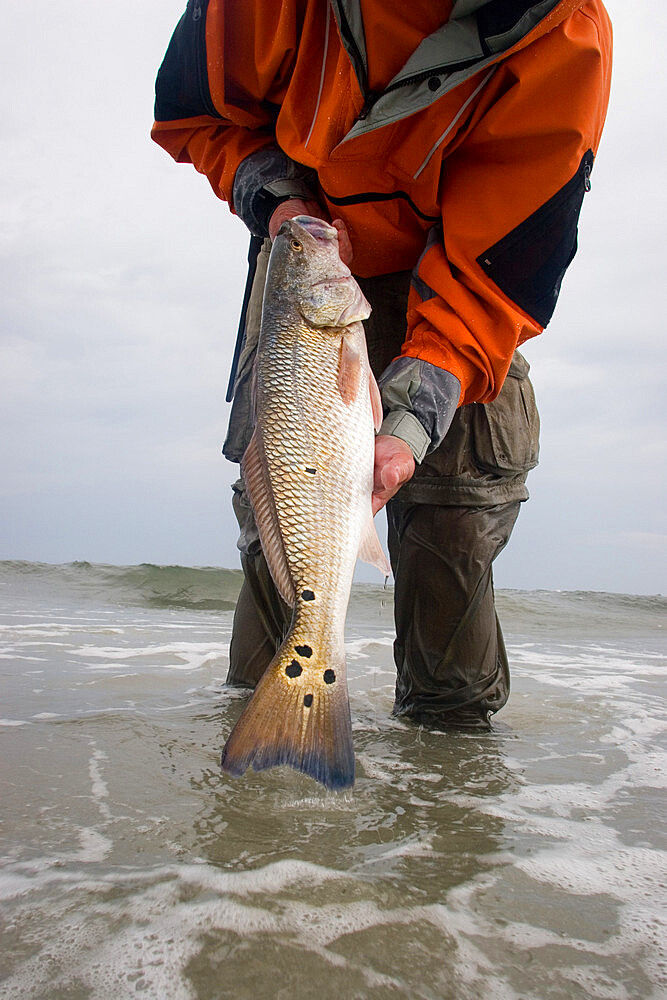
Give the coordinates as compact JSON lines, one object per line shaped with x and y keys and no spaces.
{"x":475,"y":36}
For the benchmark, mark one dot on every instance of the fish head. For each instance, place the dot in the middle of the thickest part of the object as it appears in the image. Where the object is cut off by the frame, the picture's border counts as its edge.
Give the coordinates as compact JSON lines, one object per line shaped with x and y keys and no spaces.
{"x":305,"y":264}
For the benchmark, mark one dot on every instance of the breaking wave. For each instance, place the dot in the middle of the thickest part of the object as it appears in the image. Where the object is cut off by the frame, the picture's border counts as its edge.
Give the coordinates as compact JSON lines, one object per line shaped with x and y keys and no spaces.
{"x":209,"y":588}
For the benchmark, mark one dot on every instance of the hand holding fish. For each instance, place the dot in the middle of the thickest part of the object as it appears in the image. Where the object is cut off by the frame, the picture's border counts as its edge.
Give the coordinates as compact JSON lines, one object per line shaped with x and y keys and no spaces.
{"x":293,"y":207}
{"x":394,"y":466}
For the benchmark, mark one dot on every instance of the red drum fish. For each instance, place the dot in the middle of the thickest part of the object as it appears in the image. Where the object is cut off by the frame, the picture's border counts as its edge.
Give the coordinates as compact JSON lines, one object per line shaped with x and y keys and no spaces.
{"x":309,"y":474}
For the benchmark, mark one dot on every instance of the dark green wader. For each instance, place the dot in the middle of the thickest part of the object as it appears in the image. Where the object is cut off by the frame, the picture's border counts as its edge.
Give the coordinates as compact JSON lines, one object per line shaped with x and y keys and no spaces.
{"x":446,"y":526}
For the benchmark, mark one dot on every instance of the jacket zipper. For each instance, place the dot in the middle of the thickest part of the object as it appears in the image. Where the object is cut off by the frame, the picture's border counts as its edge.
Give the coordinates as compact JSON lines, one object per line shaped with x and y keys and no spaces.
{"x":372,"y":96}
{"x":435,"y":74}
{"x":588,"y":166}
{"x":507,"y":243}
{"x":369,"y":100}
{"x":199,"y":17}
{"x":353,"y":51}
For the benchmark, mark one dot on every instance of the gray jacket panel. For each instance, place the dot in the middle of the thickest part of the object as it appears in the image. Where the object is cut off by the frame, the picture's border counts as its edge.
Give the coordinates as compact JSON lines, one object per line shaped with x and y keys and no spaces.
{"x":452,"y":54}
{"x":263,"y":180}
{"x":419,"y":401}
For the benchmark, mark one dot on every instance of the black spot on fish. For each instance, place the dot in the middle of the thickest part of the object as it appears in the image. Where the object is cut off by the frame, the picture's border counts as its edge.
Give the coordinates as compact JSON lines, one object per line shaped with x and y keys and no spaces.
{"x":307,"y":595}
{"x":308,"y":700}
{"x":329,"y":676}
{"x":294,"y":669}
{"x":311,"y":471}
{"x":303,"y":651}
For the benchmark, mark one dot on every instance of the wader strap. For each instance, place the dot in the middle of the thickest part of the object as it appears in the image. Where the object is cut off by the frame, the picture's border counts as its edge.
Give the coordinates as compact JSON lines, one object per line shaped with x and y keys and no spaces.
{"x":253,"y":254}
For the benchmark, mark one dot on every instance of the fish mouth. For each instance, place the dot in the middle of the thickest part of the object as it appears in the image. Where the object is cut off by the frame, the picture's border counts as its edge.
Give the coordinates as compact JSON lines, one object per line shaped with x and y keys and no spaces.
{"x":334,"y":281}
{"x":317,"y":228}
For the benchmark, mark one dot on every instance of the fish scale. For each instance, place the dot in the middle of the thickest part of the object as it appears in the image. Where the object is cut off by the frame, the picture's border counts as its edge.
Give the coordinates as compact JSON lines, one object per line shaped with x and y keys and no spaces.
{"x":318,"y":517}
{"x":288,"y":417}
{"x":313,"y":412}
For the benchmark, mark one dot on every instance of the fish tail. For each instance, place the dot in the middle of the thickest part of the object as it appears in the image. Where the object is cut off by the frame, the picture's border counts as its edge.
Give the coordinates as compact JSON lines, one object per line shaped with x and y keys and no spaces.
{"x":298,"y":715}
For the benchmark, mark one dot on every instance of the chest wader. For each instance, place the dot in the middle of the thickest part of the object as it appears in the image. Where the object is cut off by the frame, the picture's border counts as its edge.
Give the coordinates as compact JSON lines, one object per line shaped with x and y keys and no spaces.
{"x":446,"y":526}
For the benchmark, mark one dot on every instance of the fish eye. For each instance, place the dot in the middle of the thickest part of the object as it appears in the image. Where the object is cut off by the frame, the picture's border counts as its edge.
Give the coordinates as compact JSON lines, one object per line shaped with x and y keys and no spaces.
{"x":295,"y":245}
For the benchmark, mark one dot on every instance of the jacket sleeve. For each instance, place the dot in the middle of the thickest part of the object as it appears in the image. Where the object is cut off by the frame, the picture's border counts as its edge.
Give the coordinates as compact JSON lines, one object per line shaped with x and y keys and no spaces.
{"x":419,"y":401}
{"x":510,"y":197}
{"x":221,"y":83}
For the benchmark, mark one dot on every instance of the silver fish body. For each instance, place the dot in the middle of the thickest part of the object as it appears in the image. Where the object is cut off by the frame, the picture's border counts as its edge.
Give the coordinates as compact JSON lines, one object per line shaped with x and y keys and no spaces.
{"x":309,"y":474}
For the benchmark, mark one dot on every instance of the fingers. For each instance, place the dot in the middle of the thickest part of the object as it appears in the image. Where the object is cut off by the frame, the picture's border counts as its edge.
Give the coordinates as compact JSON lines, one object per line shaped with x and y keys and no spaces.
{"x":296,"y":206}
{"x":394,"y":466}
{"x":344,"y":242}
{"x":290,"y":209}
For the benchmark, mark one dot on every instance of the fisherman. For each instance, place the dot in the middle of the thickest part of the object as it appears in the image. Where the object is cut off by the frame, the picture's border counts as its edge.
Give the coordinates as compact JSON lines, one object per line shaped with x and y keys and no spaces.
{"x":451,"y":143}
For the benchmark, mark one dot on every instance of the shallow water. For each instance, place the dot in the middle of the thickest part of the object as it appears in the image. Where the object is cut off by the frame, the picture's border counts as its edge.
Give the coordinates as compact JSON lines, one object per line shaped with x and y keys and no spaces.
{"x":528,"y":863}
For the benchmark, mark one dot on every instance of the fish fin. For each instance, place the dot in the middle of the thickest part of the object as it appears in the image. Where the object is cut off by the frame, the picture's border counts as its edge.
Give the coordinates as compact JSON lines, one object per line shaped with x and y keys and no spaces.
{"x":376,"y":398}
{"x":349,"y":371}
{"x":299,"y":721}
{"x":264,"y":509}
{"x":370,"y":547}
{"x":376,"y":401}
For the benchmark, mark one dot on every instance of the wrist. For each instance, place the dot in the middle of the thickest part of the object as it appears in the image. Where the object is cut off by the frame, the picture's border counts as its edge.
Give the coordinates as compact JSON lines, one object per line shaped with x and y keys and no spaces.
{"x":419,"y":400}
{"x":263,"y":181}
{"x":404,"y":425}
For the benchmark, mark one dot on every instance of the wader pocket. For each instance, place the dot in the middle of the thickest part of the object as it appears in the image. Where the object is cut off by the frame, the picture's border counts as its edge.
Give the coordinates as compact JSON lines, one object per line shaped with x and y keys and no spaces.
{"x":506,"y":432}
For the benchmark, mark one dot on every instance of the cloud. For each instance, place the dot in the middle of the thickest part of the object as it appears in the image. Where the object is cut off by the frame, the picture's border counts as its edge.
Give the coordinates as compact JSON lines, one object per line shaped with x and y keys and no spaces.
{"x":120,"y":283}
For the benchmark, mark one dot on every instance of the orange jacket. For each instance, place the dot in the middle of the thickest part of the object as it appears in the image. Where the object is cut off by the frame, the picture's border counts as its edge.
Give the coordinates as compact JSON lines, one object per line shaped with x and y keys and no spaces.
{"x":469,"y":165}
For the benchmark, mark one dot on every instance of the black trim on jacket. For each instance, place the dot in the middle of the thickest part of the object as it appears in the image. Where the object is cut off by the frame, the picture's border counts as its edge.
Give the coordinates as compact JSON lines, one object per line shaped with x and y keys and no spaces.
{"x":366,"y":196}
{"x":529,"y":263}
{"x":181,"y":88}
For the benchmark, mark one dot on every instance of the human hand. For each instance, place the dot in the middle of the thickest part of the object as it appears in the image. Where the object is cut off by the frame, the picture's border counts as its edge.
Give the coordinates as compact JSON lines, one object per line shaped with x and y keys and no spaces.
{"x":297,"y":206}
{"x":344,"y":244}
{"x":394,"y":466}
{"x":290,"y":209}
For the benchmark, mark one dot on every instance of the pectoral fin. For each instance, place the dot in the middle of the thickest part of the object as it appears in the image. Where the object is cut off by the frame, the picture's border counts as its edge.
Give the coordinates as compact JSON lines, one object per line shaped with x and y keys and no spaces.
{"x":349,"y":370}
{"x":376,"y":399}
{"x":263,"y":506}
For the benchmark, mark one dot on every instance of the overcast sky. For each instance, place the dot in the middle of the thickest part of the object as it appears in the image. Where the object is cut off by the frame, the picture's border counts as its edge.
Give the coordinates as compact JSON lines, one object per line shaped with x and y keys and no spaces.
{"x":122,"y":277}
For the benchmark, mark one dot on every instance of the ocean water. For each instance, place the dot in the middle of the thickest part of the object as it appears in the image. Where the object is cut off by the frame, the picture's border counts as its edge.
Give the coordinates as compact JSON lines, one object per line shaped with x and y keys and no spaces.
{"x":526,"y":863}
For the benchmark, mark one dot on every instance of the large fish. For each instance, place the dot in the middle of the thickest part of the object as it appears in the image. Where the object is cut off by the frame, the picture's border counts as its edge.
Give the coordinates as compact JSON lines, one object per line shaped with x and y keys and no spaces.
{"x":309,"y":474}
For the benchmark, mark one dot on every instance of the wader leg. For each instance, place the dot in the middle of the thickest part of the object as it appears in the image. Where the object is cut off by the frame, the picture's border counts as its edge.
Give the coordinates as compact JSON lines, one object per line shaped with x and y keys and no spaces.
{"x":261,"y":618}
{"x":450,"y":656}
{"x":445,"y":529}
{"x":260,"y":622}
